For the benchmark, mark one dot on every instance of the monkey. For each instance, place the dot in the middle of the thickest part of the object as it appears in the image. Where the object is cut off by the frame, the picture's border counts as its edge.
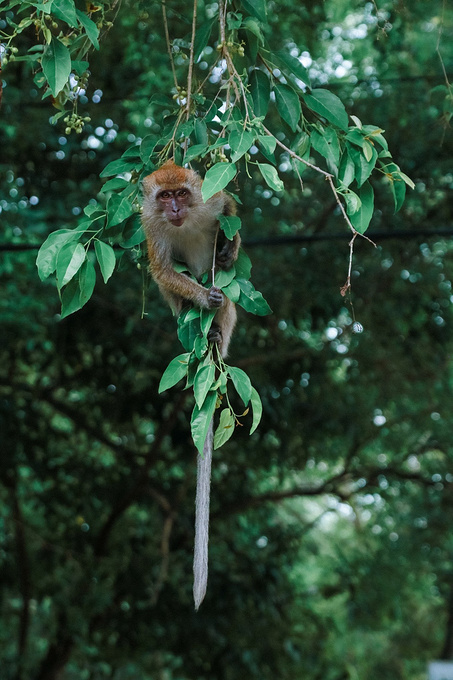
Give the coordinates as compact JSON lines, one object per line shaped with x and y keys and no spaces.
{"x":180,"y":227}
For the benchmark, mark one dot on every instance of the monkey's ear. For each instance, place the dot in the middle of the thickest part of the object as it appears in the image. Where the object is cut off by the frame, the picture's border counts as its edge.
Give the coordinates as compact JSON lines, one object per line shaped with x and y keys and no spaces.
{"x":148,"y":184}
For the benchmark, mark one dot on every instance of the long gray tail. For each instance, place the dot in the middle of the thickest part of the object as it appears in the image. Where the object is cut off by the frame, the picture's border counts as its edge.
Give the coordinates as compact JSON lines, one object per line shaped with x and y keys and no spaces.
{"x":200,"y":558}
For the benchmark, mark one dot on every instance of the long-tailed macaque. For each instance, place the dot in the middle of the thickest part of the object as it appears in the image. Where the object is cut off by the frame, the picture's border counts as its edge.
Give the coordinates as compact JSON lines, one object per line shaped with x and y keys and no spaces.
{"x":180,"y":227}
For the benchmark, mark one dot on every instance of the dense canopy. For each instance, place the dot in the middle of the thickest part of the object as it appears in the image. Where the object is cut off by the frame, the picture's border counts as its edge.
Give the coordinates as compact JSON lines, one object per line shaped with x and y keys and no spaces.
{"x":331,"y":542}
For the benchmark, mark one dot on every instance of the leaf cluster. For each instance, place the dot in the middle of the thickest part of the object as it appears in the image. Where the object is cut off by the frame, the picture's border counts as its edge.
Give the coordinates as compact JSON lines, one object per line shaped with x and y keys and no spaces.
{"x":204,"y":369}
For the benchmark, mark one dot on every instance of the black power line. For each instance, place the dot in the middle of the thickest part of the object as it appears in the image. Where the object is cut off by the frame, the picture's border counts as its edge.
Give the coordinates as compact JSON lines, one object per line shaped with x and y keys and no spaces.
{"x":376,"y":236}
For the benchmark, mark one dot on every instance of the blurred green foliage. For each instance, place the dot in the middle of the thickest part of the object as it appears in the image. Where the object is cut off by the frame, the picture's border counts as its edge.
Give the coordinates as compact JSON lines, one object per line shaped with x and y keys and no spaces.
{"x":331,"y":542}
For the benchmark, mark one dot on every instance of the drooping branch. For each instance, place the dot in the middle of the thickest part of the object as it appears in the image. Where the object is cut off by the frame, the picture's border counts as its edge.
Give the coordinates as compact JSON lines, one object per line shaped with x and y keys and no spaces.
{"x":191,"y":55}
{"x":167,"y":40}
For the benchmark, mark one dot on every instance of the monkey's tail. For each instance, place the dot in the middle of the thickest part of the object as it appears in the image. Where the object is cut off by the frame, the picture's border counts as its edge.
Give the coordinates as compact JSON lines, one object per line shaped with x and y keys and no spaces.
{"x":200,"y":558}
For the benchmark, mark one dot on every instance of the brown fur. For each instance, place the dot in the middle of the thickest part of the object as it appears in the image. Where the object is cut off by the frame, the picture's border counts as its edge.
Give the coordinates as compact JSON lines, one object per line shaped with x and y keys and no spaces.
{"x":191,"y":243}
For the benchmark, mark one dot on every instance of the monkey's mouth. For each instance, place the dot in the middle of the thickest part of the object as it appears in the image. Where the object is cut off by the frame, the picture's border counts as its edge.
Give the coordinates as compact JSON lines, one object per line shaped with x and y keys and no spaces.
{"x":177,"y":222}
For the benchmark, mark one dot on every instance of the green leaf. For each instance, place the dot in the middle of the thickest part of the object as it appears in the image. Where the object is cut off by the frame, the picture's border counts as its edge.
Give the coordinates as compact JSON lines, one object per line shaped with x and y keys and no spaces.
{"x":90,"y":27}
{"x":257,"y":410}
{"x":117,"y":167}
{"x":201,"y":419}
{"x":203,"y":382}
{"x":195,"y":151}
{"x":232,"y":291}
{"x":79,"y":66}
{"x":287,"y":61}
{"x":106,"y":258}
{"x":240,"y":142}
{"x":375,"y":134}
{"x":398,"y":181}
{"x":119,"y":209}
{"x":230,"y":225}
{"x":267,"y":146}
{"x":327,"y":145}
{"x":241,"y":383}
{"x":253,"y":27}
{"x":225,"y":428}
{"x":399,"y":193}
{"x":257,"y":8}
{"x":217,"y":179}
{"x":363,"y":168}
{"x":223,"y":277}
{"x":65,"y":11}
{"x":79,"y":290}
{"x":202,"y":37}
{"x":147,"y":147}
{"x":346,"y":172}
{"x":87,"y":280}
{"x":329,"y":106}
{"x":406,"y":179}
{"x":271,"y":177}
{"x":189,"y":328}
{"x":70,"y":298}
{"x":46,"y":260}
{"x":206,"y":319}
{"x":288,"y":105}
{"x":114,"y":184}
{"x":175,"y":371}
{"x":200,"y":346}
{"x":69,"y":260}
{"x":368,"y":151}
{"x":133,"y":234}
{"x":252,"y":300}
{"x":243,"y":265}
{"x":355,"y":137}
{"x":56,"y":65}
{"x":200,"y":131}
{"x":361,"y":219}
{"x":353,"y":202}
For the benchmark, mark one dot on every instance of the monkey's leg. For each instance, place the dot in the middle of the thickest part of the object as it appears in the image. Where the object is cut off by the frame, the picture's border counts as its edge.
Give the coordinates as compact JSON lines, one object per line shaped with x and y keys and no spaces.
{"x":200,"y":558}
{"x":223,"y":326}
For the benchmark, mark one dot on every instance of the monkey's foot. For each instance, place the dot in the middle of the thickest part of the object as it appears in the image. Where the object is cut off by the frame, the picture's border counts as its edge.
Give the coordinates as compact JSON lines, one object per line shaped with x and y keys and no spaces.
{"x":215,"y":335}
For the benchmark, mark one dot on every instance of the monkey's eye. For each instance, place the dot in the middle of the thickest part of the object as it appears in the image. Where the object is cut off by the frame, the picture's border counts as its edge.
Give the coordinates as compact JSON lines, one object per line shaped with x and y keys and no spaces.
{"x":182,"y":193}
{"x":165,"y":195}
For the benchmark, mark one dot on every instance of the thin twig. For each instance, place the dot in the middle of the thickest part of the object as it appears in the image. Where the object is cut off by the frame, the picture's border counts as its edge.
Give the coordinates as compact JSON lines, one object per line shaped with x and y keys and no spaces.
{"x":234,"y":78}
{"x":294,"y":155}
{"x":167,"y":39}
{"x":329,"y":177}
{"x":190,"y":72}
{"x":213,"y":256}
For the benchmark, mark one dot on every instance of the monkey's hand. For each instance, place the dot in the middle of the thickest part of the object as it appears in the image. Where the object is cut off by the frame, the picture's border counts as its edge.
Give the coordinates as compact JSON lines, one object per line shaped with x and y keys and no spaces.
{"x":225,"y":256}
{"x":215,"y":297}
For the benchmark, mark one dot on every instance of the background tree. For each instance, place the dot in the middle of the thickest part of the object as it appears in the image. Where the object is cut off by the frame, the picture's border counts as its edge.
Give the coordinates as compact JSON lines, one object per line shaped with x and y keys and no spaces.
{"x":331,"y":546}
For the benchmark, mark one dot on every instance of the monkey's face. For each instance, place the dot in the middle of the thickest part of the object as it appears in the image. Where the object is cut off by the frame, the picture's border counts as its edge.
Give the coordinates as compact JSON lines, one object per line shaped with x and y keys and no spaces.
{"x":175,"y":204}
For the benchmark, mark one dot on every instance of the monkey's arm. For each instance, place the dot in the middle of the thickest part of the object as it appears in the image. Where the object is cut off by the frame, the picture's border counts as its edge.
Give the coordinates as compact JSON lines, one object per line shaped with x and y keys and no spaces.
{"x":176,"y":286}
{"x":227,"y":251}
